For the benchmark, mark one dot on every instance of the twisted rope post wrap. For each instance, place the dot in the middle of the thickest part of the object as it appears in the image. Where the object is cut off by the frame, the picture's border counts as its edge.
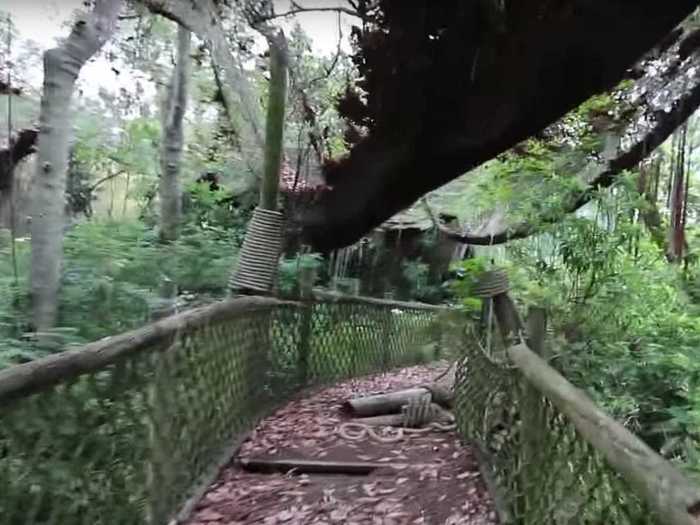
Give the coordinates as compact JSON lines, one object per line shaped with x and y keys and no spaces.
{"x":490,"y":284}
{"x":259,"y":261}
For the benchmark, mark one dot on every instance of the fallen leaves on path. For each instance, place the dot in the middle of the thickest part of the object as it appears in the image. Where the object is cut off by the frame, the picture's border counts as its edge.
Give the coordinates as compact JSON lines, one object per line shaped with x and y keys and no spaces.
{"x":429,"y":479}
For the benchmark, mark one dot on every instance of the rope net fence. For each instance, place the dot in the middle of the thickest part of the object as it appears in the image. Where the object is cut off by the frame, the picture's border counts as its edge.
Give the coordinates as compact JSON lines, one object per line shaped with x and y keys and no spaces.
{"x":131,"y":429}
{"x":125,"y":430}
{"x":540,"y":469}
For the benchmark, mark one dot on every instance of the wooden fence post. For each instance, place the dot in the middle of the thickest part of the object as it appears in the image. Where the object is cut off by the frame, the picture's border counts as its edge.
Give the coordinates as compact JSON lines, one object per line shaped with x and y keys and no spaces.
{"x":306,"y":280}
{"x":509,"y":322}
{"x":532,"y":414}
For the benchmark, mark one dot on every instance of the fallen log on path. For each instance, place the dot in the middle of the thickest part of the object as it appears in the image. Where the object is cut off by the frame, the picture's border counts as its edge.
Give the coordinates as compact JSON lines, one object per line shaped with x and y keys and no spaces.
{"x":379,"y":404}
{"x":441,"y":391}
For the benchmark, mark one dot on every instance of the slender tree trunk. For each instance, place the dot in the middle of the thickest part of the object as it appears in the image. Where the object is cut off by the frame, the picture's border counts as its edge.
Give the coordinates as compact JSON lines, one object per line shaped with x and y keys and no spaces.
{"x":173,"y":141}
{"x":61,"y":68}
{"x":203,"y":19}
{"x":676,"y":231}
{"x":274,"y":132}
{"x":648,"y":189}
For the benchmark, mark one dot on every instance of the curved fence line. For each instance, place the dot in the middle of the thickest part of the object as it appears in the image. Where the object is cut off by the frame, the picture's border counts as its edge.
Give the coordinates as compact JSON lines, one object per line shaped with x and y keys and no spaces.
{"x":128,"y":429}
{"x":125,"y":430}
{"x":553,"y":457}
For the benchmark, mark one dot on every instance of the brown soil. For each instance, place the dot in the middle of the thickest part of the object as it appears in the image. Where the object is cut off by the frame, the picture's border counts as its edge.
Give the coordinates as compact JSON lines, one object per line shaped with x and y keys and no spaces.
{"x":430,"y":479}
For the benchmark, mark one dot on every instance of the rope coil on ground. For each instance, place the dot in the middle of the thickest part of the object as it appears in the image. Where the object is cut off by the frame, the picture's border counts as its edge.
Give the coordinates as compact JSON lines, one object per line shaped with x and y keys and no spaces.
{"x":353,"y":431}
{"x":259,"y":261}
{"x":491,"y":283}
{"x":419,"y":417}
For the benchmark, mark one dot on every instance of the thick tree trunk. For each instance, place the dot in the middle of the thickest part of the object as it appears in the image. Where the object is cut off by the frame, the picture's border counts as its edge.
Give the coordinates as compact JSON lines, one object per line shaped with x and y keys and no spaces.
{"x":61,"y":68}
{"x":171,"y":155}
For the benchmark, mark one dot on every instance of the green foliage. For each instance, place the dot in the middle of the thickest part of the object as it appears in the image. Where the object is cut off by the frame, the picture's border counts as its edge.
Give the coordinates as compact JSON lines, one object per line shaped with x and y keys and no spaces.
{"x":416,"y":273}
{"x":290,"y":269}
{"x":469,"y":271}
{"x":113,"y":271}
{"x":627,"y":333}
{"x":111,"y":276}
{"x":207,"y":208}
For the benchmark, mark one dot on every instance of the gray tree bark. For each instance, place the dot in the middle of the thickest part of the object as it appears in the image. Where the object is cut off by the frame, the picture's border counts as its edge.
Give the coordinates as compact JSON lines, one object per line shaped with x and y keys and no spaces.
{"x":173,"y":140}
{"x":61,"y":68}
{"x":203,"y":19}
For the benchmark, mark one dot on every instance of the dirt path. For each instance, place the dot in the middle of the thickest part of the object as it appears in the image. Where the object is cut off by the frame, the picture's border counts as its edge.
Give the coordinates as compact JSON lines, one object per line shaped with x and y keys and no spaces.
{"x":431,"y":479}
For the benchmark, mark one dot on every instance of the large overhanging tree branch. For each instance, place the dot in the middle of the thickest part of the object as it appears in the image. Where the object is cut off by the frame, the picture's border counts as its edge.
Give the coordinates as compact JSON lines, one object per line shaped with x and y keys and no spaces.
{"x":448,"y":86}
{"x":62,"y":66}
{"x":667,"y":94}
{"x":204,"y":20}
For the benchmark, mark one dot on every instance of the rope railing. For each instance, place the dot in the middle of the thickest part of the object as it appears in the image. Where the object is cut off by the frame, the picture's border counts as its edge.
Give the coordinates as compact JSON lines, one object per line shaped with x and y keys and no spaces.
{"x":551,"y":455}
{"x":131,"y":429}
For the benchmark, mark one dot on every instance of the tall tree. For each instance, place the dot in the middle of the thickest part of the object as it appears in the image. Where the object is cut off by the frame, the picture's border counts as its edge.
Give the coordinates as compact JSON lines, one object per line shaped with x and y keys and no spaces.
{"x":266,"y":227}
{"x":676,"y":194}
{"x":274,"y":131}
{"x":173,"y":139}
{"x":62,"y":66}
{"x":204,"y":19}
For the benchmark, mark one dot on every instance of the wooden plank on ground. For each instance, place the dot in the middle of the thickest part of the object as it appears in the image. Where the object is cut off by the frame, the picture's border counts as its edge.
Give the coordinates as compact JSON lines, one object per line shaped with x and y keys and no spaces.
{"x":310,"y":466}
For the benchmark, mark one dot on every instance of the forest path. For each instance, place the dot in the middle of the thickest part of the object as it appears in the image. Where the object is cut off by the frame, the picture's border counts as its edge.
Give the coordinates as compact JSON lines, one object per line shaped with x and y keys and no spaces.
{"x":428,"y":479}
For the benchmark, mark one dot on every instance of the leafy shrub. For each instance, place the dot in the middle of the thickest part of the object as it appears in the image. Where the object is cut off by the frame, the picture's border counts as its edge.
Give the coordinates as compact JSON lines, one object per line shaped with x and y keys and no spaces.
{"x":111,"y":276}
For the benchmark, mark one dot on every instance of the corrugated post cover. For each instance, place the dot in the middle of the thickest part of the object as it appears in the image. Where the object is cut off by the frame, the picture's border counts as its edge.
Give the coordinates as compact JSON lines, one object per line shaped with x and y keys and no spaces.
{"x":259,"y":261}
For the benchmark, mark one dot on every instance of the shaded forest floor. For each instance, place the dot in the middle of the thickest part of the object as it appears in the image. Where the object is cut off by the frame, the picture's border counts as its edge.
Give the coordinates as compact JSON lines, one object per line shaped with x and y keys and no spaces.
{"x":429,"y":478}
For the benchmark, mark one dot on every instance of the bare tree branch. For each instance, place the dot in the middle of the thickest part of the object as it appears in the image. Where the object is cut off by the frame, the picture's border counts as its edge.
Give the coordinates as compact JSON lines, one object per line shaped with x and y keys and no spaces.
{"x":296,"y":9}
{"x":106,"y":178}
{"x":329,"y":70}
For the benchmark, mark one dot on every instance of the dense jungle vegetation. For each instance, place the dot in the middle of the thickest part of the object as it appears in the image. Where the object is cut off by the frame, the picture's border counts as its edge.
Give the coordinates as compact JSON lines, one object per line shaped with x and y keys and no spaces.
{"x":619,"y":274}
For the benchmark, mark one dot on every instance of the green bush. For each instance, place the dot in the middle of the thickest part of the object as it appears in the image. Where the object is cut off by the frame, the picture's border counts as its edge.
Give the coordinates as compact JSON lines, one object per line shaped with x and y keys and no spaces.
{"x":111,"y":276}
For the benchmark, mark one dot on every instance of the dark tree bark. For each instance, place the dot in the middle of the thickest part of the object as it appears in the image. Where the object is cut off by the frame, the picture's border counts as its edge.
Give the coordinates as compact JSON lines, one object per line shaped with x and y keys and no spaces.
{"x":676,"y":232}
{"x":21,"y":146}
{"x":449,"y":88}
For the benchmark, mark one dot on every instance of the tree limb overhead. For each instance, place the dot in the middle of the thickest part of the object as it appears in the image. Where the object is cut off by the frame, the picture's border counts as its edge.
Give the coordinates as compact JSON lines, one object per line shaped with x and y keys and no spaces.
{"x":665,"y":97}
{"x":447,"y":87}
